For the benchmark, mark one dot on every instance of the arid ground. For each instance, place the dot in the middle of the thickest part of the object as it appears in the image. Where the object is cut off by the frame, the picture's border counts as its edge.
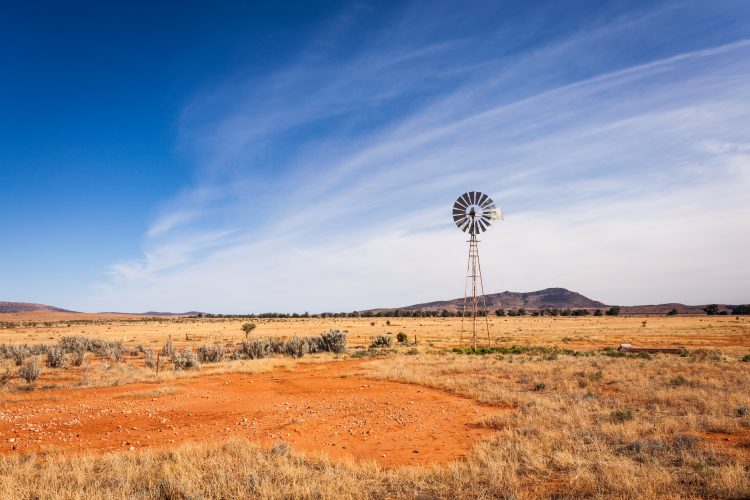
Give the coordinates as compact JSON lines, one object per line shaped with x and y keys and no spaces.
{"x":551,"y":410}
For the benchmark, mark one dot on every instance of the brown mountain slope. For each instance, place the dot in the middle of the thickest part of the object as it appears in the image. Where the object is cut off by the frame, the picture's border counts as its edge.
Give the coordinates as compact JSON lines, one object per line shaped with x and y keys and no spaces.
{"x":548,"y":298}
{"x":26,"y":307}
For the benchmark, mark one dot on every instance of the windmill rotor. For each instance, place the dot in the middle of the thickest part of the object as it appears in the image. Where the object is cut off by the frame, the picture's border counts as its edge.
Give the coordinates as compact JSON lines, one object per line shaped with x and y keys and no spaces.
{"x":474,"y":212}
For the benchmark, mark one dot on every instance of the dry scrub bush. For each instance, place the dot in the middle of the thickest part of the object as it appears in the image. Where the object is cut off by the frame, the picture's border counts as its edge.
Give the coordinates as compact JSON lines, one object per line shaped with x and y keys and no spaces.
{"x":78,"y":358}
{"x":149,"y":358}
{"x":5,"y":377}
{"x":254,"y":349}
{"x":210,"y":353}
{"x":56,"y":357}
{"x":169,"y":349}
{"x":296,"y":347}
{"x":381,"y":341}
{"x":185,"y":360}
{"x":30,"y":371}
{"x":333,"y":341}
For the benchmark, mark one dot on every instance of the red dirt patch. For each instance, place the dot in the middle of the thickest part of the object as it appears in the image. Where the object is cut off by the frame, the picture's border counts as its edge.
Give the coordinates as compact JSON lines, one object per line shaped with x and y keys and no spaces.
{"x":316,"y":407}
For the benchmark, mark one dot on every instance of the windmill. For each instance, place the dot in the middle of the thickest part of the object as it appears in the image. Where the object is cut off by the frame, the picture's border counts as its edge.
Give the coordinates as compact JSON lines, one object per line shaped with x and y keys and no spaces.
{"x":473,"y":213}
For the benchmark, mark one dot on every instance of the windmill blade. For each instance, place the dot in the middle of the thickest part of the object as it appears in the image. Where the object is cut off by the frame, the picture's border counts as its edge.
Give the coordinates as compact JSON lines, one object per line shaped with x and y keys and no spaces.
{"x":460,"y":204}
{"x":488,"y":204}
{"x":483,"y":225}
{"x":465,"y":198}
{"x":481,"y":199}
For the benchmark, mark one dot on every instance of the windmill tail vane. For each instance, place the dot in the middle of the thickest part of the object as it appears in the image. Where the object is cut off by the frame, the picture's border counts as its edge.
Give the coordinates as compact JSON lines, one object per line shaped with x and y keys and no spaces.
{"x":473,"y":213}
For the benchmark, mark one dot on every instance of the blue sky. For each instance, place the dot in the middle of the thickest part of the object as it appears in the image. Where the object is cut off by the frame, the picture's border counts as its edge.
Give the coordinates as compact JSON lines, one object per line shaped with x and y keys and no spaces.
{"x":238,"y":157}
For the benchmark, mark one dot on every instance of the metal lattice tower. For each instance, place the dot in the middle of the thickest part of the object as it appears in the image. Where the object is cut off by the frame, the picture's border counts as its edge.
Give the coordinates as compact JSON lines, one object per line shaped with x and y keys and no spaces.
{"x":473,"y":212}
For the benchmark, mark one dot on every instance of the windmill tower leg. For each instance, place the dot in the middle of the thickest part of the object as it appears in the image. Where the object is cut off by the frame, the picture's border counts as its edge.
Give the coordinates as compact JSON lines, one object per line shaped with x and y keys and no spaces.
{"x":473,"y":271}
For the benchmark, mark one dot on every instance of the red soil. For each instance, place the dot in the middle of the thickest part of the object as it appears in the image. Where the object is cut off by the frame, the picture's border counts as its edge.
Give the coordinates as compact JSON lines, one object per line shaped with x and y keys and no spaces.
{"x":323,"y":407}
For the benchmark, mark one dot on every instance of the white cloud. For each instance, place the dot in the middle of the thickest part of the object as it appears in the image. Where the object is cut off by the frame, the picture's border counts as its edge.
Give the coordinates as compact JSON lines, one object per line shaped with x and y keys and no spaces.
{"x":630,"y":187}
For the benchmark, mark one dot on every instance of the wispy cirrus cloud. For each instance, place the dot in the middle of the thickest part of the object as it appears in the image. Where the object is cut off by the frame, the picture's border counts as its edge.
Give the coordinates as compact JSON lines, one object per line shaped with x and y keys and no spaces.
{"x":330,"y":181}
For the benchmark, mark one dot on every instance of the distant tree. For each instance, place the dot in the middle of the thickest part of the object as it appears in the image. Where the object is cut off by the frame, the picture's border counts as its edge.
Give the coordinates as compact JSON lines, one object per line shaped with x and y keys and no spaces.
{"x":500,"y":312}
{"x":712,"y":309}
{"x":613,"y":311}
{"x":247,"y":328}
{"x":521,"y":312}
{"x":673,"y":312}
{"x":741,"y":309}
{"x":598,"y":312}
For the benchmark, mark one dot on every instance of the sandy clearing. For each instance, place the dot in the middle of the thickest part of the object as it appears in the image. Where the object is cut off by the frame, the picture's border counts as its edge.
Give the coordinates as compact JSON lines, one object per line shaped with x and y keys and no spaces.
{"x":325,"y":407}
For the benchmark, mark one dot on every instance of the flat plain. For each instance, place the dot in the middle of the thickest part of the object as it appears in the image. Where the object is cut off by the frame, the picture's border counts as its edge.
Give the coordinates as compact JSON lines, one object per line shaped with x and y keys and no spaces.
{"x":552,"y":410}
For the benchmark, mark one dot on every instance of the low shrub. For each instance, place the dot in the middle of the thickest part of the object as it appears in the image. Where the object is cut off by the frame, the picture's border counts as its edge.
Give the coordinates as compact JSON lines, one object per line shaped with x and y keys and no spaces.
{"x":381,"y":341}
{"x":705,"y":355}
{"x":19,"y":354}
{"x":56,"y":357}
{"x":620,"y":416}
{"x":185,"y":360}
{"x":254,"y":349}
{"x":678,"y":381}
{"x":401,"y":338}
{"x":169,"y":349}
{"x":333,"y":341}
{"x":77,"y":358}
{"x":30,"y":371}
{"x":539,"y":386}
{"x":114,"y":352}
{"x":210,"y":353}
{"x":745,"y":358}
{"x":296,"y":347}
{"x":150,"y":358}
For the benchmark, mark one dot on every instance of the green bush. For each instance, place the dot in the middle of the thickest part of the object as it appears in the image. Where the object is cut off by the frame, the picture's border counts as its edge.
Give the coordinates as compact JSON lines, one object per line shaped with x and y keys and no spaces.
{"x":401,"y":337}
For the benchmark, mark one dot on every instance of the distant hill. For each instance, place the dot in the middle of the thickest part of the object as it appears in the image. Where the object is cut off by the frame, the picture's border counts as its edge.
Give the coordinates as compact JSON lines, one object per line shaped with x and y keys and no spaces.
{"x":24,"y":307}
{"x":157,"y":313}
{"x":549,"y":298}
{"x":552,"y":298}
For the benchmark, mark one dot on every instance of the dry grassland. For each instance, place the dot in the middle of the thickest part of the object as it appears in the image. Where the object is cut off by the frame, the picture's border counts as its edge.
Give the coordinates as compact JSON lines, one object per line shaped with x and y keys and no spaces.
{"x":583,"y":425}
{"x":728,"y":333}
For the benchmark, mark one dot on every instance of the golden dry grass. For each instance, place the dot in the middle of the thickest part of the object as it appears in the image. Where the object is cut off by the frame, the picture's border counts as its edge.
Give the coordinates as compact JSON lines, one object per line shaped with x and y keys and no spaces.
{"x":580,"y":426}
{"x":728,"y":333}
